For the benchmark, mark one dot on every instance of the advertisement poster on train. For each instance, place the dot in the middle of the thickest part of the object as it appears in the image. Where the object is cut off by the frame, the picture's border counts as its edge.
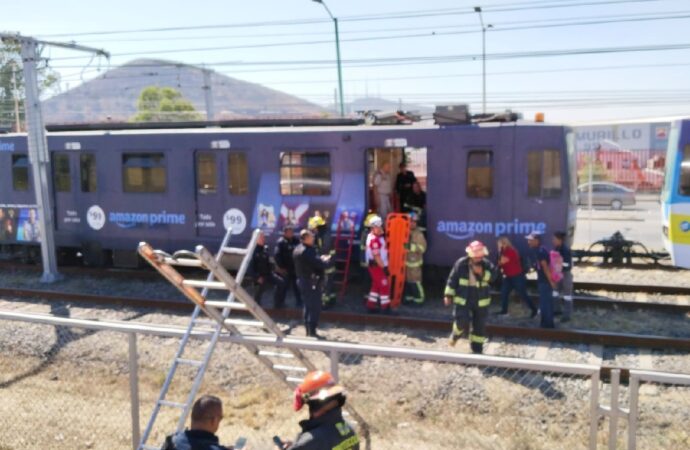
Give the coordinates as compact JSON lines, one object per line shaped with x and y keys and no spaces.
{"x":294,"y":214}
{"x":325,"y":210}
{"x":19,"y":223}
{"x":266,"y":217}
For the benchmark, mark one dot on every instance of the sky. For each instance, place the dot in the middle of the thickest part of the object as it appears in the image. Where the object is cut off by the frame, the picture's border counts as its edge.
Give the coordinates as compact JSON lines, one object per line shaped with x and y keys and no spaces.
{"x":426,"y":52}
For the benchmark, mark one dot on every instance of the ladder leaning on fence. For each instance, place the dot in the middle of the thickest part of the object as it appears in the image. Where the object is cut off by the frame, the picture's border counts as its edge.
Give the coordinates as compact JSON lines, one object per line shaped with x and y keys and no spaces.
{"x":289,"y":365}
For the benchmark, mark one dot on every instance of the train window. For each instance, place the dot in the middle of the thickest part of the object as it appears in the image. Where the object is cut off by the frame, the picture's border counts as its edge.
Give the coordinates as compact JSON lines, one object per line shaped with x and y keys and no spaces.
{"x":20,"y":172}
{"x":61,"y":173}
{"x":143,"y":172}
{"x":544,"y":173}
{"x":206,"y":178}
{"x":684,"y":187}
{"x":480,"y":178}
{"x":238,"y":174}
{"x":87,"y":172}
{"x":305,"y":173}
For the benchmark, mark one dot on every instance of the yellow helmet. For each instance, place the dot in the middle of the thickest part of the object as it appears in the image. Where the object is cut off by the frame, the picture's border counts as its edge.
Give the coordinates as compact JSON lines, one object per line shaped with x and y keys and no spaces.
{"x":315,"y":222}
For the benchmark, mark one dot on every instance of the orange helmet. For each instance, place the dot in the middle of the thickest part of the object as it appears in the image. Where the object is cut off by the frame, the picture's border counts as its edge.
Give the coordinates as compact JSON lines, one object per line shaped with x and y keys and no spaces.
{"x":318,"y":385}
{"x":476,"y":250}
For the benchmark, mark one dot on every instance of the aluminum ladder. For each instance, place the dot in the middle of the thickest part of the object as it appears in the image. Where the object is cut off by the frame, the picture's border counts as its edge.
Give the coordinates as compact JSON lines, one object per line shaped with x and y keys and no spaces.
{"x":183,"y":259}
{"x":289,"y":365}
{"x":343,"y":254}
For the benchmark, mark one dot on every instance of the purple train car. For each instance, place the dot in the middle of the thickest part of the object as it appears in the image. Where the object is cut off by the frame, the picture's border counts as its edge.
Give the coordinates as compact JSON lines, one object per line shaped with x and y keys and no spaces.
{"x":179,"y":187}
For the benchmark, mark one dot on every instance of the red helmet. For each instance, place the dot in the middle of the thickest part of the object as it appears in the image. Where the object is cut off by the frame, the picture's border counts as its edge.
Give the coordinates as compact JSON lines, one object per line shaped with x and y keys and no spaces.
{"x":476,"y":250}
{"x":318,"y":385}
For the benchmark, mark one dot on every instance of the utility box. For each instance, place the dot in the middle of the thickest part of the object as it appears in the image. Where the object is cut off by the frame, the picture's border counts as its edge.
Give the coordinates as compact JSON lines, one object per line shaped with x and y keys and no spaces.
{"x":452,"y":115}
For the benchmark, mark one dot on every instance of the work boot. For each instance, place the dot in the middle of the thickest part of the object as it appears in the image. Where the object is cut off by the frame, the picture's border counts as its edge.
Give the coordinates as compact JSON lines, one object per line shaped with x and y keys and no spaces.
{"x":535,"y":311}
{"x":476,"y":347}
{"x":453,"y":339}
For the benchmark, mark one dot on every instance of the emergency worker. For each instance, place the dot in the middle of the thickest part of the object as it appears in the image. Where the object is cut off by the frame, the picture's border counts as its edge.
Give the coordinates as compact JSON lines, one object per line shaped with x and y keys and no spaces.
{"x":325,"y":428}
{"x":366,"y":228}
{"x":377,"y":261}
{"x":416,"y":201}
{"x":323,"y":244}
{"x":403,"y":185}
{"x":285,"y":268}
{"x":414,"y":292}
{"x":309,"y":268}
{"x":468,"y":289}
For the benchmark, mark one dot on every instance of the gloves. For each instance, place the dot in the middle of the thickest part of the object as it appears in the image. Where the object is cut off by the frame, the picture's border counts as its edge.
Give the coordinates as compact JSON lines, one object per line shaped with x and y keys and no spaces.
{"x":386,"y":271}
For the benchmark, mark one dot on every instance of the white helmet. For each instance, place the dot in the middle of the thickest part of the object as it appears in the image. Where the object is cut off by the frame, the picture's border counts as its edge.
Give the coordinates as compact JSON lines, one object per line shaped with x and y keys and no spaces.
{"x":375,"y":221}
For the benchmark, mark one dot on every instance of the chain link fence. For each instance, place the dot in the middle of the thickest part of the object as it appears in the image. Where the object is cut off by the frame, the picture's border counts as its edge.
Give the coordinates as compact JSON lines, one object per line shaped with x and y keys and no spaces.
{"x":69,"y":387}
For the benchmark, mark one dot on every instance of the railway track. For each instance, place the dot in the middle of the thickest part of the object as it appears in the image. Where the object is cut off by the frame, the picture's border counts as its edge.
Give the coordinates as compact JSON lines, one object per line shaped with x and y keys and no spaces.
{"x":608,"y":339}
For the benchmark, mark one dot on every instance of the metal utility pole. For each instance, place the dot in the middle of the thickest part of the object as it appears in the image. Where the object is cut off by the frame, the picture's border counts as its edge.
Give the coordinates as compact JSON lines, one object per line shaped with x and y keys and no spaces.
{"x":478,"y":10}
{"x":208,"y":93}
{"x":337,"y":49}
{"x":38,"y":146}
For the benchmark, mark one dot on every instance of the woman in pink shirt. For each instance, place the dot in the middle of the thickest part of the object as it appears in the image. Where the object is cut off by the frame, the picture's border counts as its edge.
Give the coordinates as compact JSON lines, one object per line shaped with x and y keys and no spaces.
{"x":513,"y":275}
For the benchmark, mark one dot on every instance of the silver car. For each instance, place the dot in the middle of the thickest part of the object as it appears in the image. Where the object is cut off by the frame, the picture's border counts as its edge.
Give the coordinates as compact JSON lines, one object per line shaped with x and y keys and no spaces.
{"x":606,"y":194}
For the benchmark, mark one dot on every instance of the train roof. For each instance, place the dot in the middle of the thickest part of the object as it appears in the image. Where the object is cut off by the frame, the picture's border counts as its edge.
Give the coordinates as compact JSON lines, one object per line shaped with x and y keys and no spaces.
{"x":329,"y":125}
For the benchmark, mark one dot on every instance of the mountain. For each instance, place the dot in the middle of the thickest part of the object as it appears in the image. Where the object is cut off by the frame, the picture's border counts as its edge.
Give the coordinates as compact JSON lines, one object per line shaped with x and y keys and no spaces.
{"x":113,"y":95}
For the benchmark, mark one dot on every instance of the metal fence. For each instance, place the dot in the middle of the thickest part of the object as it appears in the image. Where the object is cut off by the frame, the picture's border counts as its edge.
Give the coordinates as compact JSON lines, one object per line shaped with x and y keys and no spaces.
{"x":71,"y":383}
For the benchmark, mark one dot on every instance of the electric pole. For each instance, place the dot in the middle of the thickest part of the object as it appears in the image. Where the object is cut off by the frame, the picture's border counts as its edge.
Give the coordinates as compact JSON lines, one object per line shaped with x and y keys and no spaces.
{"x":15,"y":94}
{"x":208,"y":93}
{"x":39,"y":157}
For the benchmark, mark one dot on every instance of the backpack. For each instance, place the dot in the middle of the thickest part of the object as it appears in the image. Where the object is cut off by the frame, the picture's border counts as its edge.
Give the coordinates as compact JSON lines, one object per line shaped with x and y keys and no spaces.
{"x":556,"y":265}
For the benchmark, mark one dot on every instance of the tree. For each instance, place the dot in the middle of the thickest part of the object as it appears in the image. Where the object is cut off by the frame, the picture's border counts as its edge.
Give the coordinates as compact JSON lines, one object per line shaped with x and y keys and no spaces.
{"x":164,"y":104}
{"x":12,"y":83}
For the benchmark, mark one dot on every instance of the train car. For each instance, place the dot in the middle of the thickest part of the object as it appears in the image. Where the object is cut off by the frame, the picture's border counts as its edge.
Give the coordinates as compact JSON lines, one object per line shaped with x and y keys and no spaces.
{"x":176,"y":188}
{"x":675,"y":196}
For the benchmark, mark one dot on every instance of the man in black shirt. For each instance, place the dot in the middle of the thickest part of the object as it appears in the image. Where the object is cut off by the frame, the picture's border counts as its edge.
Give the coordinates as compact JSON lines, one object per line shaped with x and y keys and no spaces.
{"x":310,"y":272}
{"x":207,"y":413}
{"x":285,"y":268}
{"x":403,"y":185}
{"x":261,"y":268}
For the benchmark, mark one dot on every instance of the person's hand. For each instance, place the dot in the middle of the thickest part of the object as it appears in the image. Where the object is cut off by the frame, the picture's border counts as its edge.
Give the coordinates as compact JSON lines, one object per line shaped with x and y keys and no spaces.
{"x":446,"y":301}
{"x":386,"y":272}
{"x":260,"y":280}
{"x":287,"y":445}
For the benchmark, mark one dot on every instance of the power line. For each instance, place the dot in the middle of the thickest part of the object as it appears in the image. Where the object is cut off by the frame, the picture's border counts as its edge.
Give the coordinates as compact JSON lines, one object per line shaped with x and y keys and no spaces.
{"x":496,"y":28}
{"x":383,"y":16}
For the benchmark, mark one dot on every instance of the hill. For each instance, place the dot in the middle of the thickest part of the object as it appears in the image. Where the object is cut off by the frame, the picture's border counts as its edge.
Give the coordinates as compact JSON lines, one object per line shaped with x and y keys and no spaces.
{"x":113,"y":95}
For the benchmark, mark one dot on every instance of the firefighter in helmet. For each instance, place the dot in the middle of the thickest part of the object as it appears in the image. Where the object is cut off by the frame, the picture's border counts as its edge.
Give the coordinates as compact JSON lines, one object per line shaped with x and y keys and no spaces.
{"x":325,"y":428}
{"x":468,"y":289}
{"x":323,"y":243}
{"x":416,"y":246}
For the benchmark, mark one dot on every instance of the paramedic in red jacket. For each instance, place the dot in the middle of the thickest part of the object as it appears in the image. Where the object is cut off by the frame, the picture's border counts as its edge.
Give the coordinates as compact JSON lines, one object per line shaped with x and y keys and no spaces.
{"x":377,"y":261}
{"x":513,"y":275}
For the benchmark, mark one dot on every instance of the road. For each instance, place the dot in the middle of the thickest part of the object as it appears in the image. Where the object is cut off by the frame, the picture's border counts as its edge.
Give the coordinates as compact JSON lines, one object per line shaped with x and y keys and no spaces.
{"x":641,"y":222}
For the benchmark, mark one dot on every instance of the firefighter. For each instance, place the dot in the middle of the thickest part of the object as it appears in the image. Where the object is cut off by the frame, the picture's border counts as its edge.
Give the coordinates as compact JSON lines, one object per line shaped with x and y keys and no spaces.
{"x":363,"y":239}
{"x":325,"y":428}
{"x":323,"y":244}
{"x":309,"y":268}
{"x":414,"y":292}
{"x":468,"y":289}
{"x":377,"y":261}
{"x":284,"y":269}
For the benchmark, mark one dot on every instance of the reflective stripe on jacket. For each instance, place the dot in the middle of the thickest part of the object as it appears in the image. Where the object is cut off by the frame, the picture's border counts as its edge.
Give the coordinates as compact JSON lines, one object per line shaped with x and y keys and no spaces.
{"x":458,"y":285}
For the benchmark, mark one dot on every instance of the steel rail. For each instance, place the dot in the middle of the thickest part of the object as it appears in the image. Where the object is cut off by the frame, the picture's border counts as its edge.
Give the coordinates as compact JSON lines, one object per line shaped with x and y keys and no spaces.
{"x":609,"y":339}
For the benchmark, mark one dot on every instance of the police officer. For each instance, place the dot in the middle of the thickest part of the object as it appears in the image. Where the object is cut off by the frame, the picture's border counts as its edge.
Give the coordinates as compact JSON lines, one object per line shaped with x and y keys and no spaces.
{"x":207,"y":412}
{"x":468,"y":289}
{"x":325,"y":428}
{"x":261,"y":268}
{"x":416,"y":246}
{"x":285,"y":268}
{"x":309,"y":268}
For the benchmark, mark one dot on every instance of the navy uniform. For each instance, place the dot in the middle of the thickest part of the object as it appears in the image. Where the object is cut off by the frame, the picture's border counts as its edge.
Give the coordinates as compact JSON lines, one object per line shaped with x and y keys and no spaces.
{"x":471,"y":296}
{"x":193,"y":440}
{"x":285,"y":271}
{"x":261,"y":269}
{"x":309,"y":269}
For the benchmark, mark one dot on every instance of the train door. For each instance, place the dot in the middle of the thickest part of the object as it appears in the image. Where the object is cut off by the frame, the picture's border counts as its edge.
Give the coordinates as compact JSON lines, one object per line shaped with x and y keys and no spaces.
{"x":382,"y":171}
{"x":65,"y":165}
{"x":222,"y":192}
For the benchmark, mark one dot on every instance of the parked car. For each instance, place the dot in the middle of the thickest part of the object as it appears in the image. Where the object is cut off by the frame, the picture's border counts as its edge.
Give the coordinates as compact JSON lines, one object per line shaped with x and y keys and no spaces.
{"x":606,"y":194}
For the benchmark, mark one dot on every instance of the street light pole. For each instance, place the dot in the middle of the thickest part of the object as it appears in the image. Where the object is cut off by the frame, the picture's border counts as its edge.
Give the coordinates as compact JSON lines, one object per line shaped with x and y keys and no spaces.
{"x":478,"y":10}
{"x":337,"y":50}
